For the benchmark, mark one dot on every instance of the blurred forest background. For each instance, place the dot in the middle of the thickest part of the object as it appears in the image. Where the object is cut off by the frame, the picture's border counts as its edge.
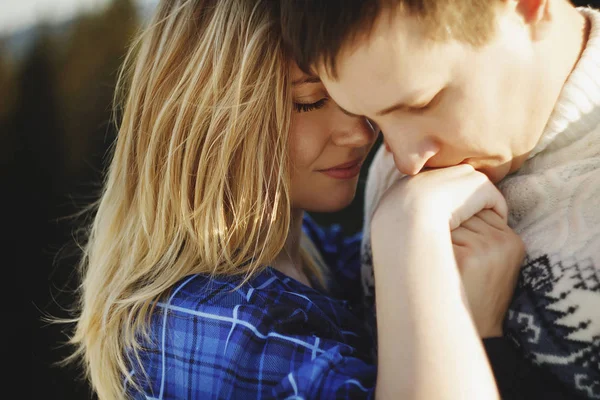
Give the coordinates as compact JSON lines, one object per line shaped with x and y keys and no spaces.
{"x":56,"y":88}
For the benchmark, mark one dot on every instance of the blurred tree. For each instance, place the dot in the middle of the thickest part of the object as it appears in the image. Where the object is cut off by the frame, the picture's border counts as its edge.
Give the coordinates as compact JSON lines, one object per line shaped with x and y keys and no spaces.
{"x":35,"y":184}
{"x":62,"y":119}
{"x":36,"y":118}
{"x":7,"y":100}
{"x":8,"y":140}
{"x":87,"y":79}
{"x":6,"y":86}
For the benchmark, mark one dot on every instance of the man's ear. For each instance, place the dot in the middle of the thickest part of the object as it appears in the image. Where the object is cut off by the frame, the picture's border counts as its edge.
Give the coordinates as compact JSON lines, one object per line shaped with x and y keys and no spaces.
{"x":536,"y":14}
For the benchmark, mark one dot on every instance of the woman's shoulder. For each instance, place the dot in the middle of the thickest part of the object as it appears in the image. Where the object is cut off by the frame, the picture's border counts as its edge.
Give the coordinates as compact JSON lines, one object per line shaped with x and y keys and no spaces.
{"x":217,"y":336}
{"x":268,"y":302}
{"x":203,"y":291}
{"x":199,"y":290}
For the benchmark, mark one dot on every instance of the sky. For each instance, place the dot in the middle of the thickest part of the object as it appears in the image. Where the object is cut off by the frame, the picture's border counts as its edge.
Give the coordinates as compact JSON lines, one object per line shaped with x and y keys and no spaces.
{"x":19,"y":14}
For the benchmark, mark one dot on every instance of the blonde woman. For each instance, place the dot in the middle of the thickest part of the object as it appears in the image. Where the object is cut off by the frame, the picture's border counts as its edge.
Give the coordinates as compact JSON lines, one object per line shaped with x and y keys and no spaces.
{"x":203,"y":277}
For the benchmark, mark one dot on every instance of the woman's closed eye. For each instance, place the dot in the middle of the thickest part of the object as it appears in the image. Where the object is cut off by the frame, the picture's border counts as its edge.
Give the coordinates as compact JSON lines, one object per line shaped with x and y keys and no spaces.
{"x":304,"y":107}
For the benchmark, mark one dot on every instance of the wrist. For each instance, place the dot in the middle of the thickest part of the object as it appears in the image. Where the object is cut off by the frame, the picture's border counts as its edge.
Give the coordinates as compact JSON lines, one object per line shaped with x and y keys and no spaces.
{"x":410,"y":239}
{"x":405,"y":220}
{"x":495,"y":332}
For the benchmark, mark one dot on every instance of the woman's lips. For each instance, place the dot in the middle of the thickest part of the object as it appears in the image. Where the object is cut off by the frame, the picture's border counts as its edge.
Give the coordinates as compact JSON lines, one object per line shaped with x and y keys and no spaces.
{"x":347,"y":170}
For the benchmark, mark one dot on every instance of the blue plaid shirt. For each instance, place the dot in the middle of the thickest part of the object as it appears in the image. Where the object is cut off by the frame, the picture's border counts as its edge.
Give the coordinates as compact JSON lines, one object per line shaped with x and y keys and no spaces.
{"x":273,"y":337}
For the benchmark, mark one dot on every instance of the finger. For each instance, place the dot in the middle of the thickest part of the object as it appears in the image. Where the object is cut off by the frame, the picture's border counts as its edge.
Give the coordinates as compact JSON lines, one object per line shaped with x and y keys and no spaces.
{"x":496,"y":202}
{"x":473,"y":192}
{"x":460,"y":253}
{"x":493,"y":219}
{"x":488,"y":192}
{"x":477,"y":224}
{"x":463,"y":237}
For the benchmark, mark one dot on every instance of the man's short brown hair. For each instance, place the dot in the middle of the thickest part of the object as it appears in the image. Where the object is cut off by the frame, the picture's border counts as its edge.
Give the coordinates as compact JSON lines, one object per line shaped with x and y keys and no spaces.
{"x":315,"y":31}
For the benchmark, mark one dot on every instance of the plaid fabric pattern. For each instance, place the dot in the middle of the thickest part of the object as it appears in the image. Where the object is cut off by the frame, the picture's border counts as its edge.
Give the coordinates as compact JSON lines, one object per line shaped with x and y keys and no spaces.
{"x":273,"y":337}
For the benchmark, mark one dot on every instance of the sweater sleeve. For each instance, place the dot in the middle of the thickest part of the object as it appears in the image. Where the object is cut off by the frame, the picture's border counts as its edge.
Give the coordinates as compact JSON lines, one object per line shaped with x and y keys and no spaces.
{"x":517,"y":378}
{"x":382,"y":174}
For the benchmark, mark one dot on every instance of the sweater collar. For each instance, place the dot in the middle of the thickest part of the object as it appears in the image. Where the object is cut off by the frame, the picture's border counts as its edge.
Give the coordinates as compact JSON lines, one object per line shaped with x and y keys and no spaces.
{"x":578,"y":107}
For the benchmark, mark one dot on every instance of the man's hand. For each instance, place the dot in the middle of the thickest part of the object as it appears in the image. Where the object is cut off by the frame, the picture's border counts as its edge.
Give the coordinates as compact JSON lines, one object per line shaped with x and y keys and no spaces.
{"x":489,"y":255}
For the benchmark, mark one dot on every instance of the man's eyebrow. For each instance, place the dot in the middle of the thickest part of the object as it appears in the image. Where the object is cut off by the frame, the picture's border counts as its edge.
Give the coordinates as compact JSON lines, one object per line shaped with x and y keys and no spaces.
{"x":306,"y":79}
{"x":408,"y":104}
{"x":395,"y":107}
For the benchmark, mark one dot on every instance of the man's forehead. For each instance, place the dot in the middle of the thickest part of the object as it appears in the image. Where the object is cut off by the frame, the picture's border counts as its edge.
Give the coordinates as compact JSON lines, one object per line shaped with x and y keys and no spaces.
{"x":367,"y":86}
{"x":389,"y":50}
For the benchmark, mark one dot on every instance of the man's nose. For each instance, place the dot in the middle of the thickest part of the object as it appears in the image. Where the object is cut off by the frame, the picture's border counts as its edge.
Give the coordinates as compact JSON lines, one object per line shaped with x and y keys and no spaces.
{"x":411,"y":161}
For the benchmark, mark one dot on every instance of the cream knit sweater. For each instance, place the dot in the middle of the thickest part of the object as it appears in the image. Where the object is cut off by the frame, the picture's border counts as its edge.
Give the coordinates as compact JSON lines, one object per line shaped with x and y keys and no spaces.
{"x":554,"y":203}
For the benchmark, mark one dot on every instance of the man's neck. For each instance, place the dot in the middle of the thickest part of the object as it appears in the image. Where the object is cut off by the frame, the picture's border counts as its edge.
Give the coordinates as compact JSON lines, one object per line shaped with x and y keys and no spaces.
{"x":570,"y":36}
{"x":557,"y":57}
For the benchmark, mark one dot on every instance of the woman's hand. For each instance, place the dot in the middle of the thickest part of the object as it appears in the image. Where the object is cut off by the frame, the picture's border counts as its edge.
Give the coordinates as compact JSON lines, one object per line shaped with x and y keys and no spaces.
{"x":443,"y":197}
{"x":425,"y":330}
{"x":489,"y":255}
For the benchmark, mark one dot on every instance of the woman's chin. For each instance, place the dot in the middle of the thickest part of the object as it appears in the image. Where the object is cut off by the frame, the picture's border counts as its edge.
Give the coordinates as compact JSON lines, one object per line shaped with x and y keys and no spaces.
{"x":332,"y":203}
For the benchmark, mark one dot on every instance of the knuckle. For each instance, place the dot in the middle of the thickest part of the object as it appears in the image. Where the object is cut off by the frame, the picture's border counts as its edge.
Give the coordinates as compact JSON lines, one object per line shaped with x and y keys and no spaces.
{"x":516,"y":240}
{"x":468,"y":167}
{"x":486,"y":245}
{"x":465,"y":259}
{"x":468,"y":264}
{"x":501,"y":238}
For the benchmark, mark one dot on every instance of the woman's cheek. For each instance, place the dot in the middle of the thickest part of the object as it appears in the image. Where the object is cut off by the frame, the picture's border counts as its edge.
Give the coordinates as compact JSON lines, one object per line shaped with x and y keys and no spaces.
{"x":308,"y":138}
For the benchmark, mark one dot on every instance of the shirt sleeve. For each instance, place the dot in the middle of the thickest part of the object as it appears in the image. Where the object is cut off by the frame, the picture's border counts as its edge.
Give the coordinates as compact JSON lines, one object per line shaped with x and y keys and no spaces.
{"x":382,"y":174}
{"x":341,"y":253}
{"x":249,"y":352}
{"x":332,"y":375}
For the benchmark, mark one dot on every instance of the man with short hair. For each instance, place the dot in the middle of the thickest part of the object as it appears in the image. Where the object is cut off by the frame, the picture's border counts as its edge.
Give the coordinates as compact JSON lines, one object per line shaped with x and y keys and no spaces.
{"x":511,"y":87}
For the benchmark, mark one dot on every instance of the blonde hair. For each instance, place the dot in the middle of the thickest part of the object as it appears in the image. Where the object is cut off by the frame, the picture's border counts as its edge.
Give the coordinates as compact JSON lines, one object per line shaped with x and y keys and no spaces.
{"x":199,"y":177}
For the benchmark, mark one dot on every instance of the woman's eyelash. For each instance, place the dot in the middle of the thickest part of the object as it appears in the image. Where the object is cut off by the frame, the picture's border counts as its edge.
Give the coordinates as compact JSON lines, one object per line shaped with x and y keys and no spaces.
{"x":304,"y":107}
